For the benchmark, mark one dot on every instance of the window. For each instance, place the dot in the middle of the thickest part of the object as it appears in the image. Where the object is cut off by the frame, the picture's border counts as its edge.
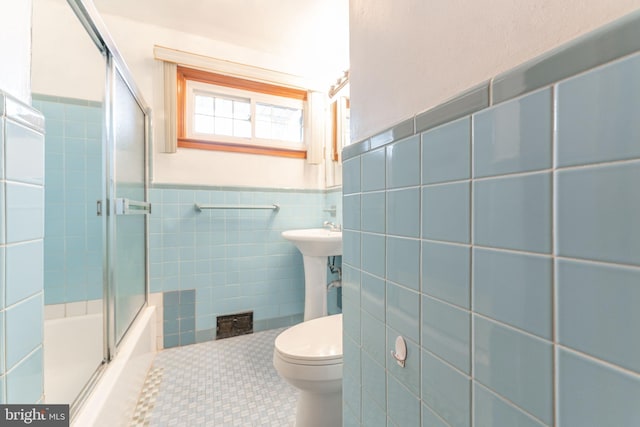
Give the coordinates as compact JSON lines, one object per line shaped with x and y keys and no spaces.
{"x":217,"y":112}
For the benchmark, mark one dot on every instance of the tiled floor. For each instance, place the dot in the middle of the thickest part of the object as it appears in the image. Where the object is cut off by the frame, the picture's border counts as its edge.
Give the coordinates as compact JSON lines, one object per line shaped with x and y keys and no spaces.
{"x":229,"y":382}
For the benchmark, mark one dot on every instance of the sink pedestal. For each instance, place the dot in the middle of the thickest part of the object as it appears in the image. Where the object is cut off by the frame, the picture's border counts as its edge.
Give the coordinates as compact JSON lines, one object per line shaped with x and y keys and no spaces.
{"x":315,"y":286}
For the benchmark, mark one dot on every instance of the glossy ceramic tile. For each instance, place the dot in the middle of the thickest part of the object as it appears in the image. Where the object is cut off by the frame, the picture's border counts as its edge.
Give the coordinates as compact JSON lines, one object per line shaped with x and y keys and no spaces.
{"x":513,"y":212}
{"x":446,"y":213}
{"x":23,"y":323}
{"x":351,"y":357}
{"x":373,"y":254}
{"x":514,"y":288}
{"x":374,"y":379}
{"x":351,"y":213}
{"x":351,"y":318}
{"x":597,"y":115}
{"x":374,"y":170}
{"x":403,"y":163}
{"x":351,"y":174}
{"x":351,"y":386}
{"x":2,"y":211}
{"x":446,"y":272}
{"x":24,"y":212}
{"x":24,"y":382}
{"x":605,"y":44}
{"x":397,"y":132}
{"x":374,"y":212}
{"x":373,"y":337}
{"x":607,"y":397}
{"x":446,"y":152}
{"x":373,"y":415}
{"x":373,"y":296}
{"x":2,"y":144}
{"x":24,"y":271}
{"x":446,"y":331}
{"x":516,"y":366}
{"x":403,"y":261}
{"x":355,"y":149}
{"x":598,"y":213}
{"x":351,"y":248}
{"x":403,"y":407}
{"x":468,"y":102}
{"x":446,"y":391}
{"x":514,"y":136}
{"x":490,"y":411}
{"x":24,"y":151}
{"x":403,"y":308}
{"x":409,"y":375}
{"x":431,"y":419}
{"x":403,"y":212}
{"x":597,"y":311}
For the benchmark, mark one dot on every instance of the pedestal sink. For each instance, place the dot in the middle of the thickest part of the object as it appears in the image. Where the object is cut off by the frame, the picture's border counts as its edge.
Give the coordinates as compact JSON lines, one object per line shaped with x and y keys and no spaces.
{"x":315,"y":244}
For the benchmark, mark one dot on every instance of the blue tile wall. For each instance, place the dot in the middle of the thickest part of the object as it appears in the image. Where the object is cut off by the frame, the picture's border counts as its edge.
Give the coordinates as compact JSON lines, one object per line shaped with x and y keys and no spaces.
{"x":73,"y":181}
{"x":518,"y":299}
{"x":230,"y":261}
{"x":22,"y":148}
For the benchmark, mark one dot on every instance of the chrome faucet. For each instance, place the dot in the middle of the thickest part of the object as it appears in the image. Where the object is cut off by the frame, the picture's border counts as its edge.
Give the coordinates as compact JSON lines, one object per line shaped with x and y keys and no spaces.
{"x":331,"y":226}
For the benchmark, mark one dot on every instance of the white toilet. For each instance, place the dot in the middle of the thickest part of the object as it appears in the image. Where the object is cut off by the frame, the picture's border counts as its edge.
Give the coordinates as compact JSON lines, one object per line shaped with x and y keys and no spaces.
{"x":309,"y":357}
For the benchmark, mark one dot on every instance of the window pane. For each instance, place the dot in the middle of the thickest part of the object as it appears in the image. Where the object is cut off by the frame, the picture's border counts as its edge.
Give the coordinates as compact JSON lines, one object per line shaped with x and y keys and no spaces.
{"x":241,"y":110}
{"x":223,"y":126}
{"x":224,"y":107}
{"x":242,"y":128}
{"x":204,"y":105}
{"x":278,"y":123}
{"x":203,"y":124}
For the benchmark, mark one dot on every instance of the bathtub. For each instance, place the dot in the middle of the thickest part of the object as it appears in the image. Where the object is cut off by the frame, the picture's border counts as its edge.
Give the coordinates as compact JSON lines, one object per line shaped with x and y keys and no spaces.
{"x":116,"y":391}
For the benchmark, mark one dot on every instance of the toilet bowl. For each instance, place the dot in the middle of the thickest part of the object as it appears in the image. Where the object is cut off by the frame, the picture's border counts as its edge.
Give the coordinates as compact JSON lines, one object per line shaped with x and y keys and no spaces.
{"x":309,"y":357}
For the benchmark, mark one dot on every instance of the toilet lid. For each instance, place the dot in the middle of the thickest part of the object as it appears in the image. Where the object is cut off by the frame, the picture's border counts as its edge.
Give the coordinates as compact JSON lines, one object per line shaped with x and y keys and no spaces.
{"x":313,"y":340}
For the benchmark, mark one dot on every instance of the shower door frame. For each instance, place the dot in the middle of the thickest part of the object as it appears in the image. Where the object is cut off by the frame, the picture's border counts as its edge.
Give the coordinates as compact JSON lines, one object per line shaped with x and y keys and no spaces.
{"x":115,"y":64}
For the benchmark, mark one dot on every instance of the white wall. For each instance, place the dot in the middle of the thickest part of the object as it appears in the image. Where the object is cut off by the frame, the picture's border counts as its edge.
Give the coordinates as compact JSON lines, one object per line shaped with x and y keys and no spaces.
{"x":15,"y":49}
{"x":409,"y":56}
{"x":136,"y":41}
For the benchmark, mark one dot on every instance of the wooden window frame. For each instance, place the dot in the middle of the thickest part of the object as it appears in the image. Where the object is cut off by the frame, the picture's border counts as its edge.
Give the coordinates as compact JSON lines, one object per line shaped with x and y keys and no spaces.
{"x":189,"y":74}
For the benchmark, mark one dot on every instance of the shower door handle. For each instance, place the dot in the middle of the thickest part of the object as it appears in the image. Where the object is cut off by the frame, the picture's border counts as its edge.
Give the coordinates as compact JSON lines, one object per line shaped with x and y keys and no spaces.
{"x":132,"y":207}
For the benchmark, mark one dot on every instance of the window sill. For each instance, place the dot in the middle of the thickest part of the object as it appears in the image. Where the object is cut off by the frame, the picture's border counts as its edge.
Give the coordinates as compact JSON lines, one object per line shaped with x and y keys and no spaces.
{"x":241,"y":148}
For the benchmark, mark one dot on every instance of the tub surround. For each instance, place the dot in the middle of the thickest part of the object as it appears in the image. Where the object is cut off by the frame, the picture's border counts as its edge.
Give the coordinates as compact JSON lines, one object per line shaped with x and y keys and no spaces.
{"x":507,"y":228}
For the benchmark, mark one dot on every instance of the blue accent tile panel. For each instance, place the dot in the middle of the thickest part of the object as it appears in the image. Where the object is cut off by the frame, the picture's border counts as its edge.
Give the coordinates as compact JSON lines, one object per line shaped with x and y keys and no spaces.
{"x":373,"y":337}
{"x":24,"y":383}
{"x":403,"y":308}
{"x":446,"y":272}
{"x":403,"y":212}
{"x":351,"y":247}
{"x":373,"y":254}
{"x":514,"y":136}
{"x":374,"y":206}
{"x":513,"y":212}
{"x":446,"y":213}
{"x":23,"y":323}
{"x":446,"y":331}
{"x":606,"y":397}
{"x":403,"y":261}
{"x":374,"y":170}
{"x":403,"y":407}
{"x":604,"y":299}
{"x":373,"y":415}
{"x":516,"y":366}
{"x":351,"y":173}
{"x":351,"y":215}
{"x":514,"y":288}
{"x":598,"y":213}
{"x":490,"y":411}
{"x":24,"y":150}
{"x":597,"y":115}
{"x":446,"y":391}
{"x":373,"y":296}
{"x":403,"y":163}
{"x":24,"y":273}
{"x":446,"y":152}
{"x":374,"y":379}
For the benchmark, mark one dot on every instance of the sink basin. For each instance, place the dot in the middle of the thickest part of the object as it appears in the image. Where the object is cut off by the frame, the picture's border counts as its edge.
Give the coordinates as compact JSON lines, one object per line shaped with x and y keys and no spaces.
{"x":316,"y":241}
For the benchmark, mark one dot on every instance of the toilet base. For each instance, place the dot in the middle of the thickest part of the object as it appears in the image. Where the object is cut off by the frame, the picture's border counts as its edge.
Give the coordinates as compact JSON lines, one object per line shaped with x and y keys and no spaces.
{"x":319,"y":409}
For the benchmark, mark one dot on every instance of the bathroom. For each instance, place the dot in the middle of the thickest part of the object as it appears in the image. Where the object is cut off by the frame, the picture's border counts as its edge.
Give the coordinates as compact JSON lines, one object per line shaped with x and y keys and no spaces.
{"x":484,"y":219}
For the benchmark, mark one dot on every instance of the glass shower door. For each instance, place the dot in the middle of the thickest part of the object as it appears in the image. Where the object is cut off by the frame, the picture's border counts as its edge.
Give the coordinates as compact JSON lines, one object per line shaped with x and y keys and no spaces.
{"x":128,"y":192}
